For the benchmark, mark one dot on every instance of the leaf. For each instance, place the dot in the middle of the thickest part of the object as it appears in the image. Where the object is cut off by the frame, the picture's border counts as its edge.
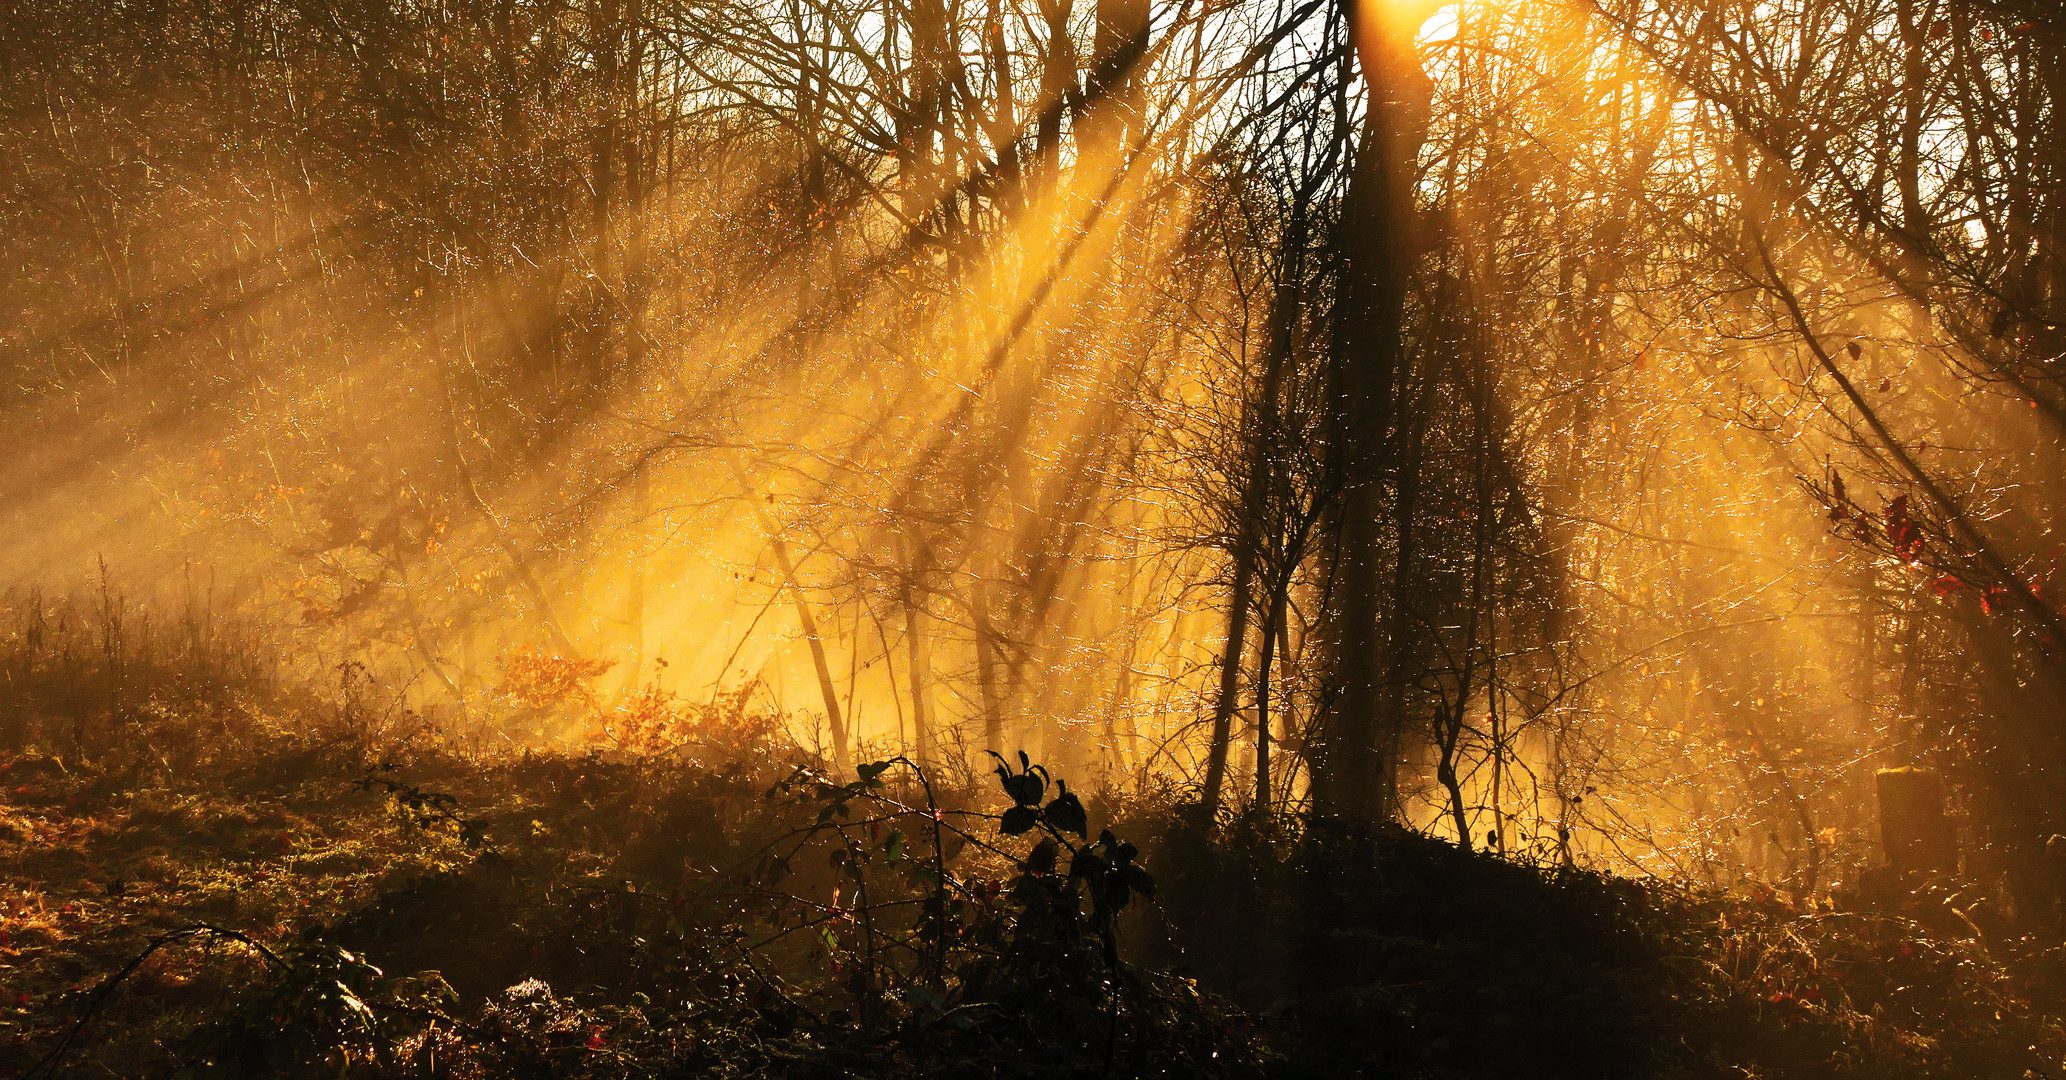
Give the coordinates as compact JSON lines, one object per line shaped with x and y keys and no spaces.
{"x":893,"y":848}
{"x":1041,"y":860}
{"x":1018,"y":820}
{"x":1066,"y":813}
{"x":1024,"y":788}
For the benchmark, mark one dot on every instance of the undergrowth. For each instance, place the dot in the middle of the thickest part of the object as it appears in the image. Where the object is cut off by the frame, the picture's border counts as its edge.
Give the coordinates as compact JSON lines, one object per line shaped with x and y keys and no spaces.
{"x":208,"y":876}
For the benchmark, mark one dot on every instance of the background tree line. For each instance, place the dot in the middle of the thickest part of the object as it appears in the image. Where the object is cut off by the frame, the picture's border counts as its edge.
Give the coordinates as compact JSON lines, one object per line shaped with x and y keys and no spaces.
{"x":1599,"y":430}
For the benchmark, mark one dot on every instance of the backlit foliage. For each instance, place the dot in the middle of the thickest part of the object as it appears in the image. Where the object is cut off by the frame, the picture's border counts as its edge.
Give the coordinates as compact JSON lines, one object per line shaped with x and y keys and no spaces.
{"x":651,"y":721}
{"x":535,"y":679}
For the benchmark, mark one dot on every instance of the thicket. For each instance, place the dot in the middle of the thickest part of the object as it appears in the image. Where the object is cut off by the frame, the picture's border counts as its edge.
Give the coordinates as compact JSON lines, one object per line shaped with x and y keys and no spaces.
{"x":1454,"y":412}
{"x":332,"y":888}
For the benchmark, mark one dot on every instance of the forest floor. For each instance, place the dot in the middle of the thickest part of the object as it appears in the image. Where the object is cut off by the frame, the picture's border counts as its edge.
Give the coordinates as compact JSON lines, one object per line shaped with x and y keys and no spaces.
{"x":300,"y":906}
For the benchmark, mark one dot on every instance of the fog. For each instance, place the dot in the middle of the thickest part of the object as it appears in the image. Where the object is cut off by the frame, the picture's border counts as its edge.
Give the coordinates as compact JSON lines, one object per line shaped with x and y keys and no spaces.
{"x":1606,"y":433}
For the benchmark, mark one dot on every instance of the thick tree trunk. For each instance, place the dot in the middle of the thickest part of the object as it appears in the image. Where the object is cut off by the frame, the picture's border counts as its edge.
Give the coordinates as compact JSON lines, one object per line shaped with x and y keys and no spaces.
{"x":1376,"y":248}
{"x":1057,"y":90}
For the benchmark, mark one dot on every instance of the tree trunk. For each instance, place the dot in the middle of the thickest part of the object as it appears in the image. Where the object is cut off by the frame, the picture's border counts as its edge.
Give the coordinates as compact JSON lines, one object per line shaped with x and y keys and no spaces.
{"x":918,"y":648}
{"x":1228,"y":698}
{"x":986,"y":669}
{"x":826,"y":689}
{"x":1272,"y":640}
{"x":1376,"y":250}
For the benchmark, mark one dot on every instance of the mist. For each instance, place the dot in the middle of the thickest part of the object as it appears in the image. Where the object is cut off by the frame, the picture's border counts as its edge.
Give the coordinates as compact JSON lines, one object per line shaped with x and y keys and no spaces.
{"x":1613,"y":437}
